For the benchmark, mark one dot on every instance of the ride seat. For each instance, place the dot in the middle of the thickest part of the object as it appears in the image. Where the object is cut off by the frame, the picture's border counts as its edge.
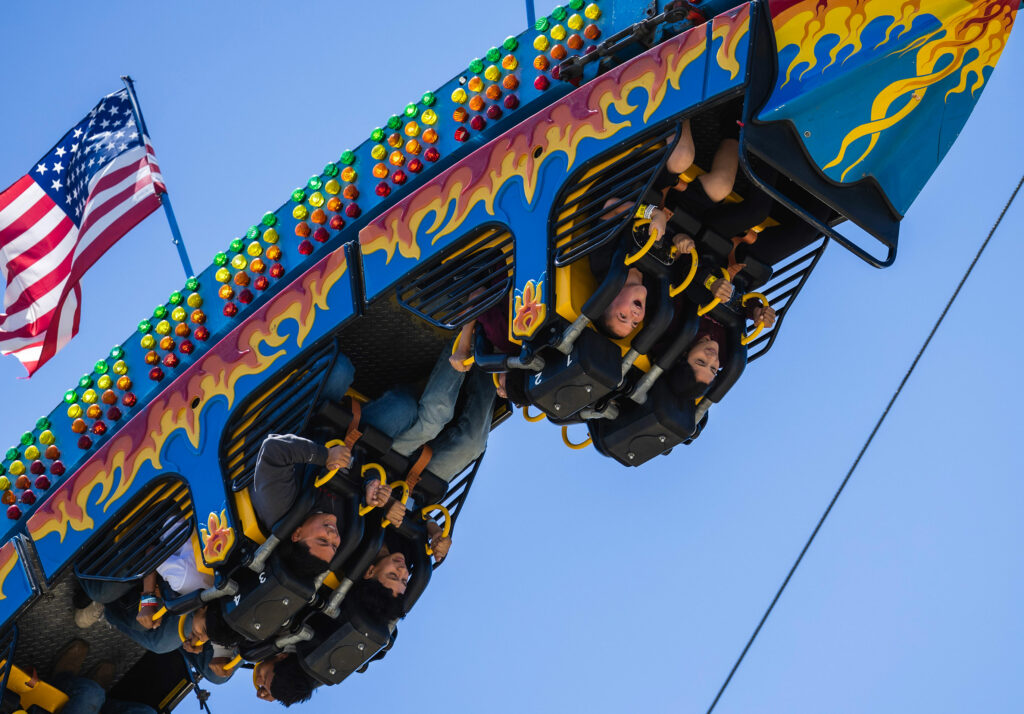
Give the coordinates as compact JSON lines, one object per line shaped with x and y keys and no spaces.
{"x":332,"y":657}
{"x":269,"y":606}
{"x":643,"y":431}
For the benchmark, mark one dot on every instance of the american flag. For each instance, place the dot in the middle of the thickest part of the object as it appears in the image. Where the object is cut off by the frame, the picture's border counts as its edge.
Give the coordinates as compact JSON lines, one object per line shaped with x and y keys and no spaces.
{"x":95,"y":185}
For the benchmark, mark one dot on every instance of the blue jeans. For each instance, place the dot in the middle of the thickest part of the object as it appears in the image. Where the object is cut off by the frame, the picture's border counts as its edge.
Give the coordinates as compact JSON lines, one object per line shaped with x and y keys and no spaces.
{"x":106,"y":591}
{"x":339,"y":379}
{"x":163,"y":639}
{"x":87,"y":697}
{"x":412,"y":423}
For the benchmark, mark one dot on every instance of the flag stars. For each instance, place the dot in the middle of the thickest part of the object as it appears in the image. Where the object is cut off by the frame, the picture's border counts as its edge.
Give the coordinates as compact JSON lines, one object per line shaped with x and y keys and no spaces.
{"x":56,"y":185}
{"x":105,"y":123}
{"x":74,"y":148}
{"x":78,"y":133}
{"x":60,"y":151}
{"x":58,"y":167}
{"x":41,"y":168}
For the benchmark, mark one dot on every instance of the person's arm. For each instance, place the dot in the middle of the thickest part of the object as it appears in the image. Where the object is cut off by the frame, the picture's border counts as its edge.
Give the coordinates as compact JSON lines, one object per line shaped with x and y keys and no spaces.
{"x":438,"y":543}
{"x":275,"y":486}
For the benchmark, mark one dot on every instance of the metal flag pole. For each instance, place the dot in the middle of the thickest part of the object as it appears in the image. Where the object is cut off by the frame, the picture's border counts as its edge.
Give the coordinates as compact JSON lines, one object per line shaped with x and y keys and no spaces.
{"x":164,"y":199}
{"x":531,"y":14}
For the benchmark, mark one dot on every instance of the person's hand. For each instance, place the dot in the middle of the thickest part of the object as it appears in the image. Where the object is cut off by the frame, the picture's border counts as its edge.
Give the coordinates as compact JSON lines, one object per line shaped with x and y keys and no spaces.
{"x":760,"y":313}
{"x":377,"y":494}
{"x":190,"y":646}
{"x":219,"y":666}
{"x":338,"y":457}
{"x":440,"y":545}
{"x":500,"y":389}
{"x":145,"y":618}
{"x":722,"y":290}
{"x":683,"y":244}
{"x":396,"y":513}
{"x":659,"y":221}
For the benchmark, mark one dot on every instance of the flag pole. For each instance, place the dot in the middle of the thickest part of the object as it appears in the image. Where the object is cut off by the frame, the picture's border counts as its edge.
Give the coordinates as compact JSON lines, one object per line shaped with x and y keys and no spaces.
{"x":164,"y":199}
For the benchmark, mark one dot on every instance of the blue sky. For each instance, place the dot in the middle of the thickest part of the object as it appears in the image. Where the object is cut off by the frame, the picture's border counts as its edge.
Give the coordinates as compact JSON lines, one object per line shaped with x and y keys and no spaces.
{"x":574,"y":583}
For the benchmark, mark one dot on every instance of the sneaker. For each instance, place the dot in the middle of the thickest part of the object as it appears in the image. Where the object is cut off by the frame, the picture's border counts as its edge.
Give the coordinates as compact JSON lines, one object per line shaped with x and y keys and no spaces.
{"x":103,"y":674}
{"x":89,"y":615}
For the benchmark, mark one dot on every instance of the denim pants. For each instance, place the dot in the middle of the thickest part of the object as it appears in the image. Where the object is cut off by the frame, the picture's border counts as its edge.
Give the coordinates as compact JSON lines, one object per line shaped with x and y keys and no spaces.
{"x":412,"y":423}
{"x":339,"y":379}
{"x":163,"y":639}
{"x":87,"y":697}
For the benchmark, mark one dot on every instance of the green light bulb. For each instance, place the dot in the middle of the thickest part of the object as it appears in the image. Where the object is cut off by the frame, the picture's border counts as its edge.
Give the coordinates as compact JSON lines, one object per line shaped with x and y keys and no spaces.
{"x":558,"y":14}
{"x":510,"y":43}
{"x":298,"y":195}
{"x":349,"y":157}
{"x":221,"y":258}
{"x":428,"y":99}
{"x":42,"y":423}
{"x":411,"y":110}
{"x":117,"y":353}
{"x":192,"y":284}
{"x":71,"y":396}
{"x":144,"y":326}
{"x":12,"y":454}
{"x":85,"y":381}
{"x":236,"y":245}
{"x":394,"y":121}
{"x":253,"y":232}
{"x":100,"y":367}
{"x":314,"y":183}
{"x":377,"y":134}
{"x":476,"y":66}
{"x":26,"y":438}
{"x":269,"y":219}
{"x":493,"y":55}
{"x":175,"y":298}
{"x":159,"y":311}
{"x":542,"y":24}
{"x":331,"y":169}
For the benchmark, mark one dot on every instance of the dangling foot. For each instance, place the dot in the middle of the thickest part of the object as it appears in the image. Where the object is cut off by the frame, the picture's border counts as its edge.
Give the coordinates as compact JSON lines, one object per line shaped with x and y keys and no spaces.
{"x":71,"y":657}
{"x":89,"y":615}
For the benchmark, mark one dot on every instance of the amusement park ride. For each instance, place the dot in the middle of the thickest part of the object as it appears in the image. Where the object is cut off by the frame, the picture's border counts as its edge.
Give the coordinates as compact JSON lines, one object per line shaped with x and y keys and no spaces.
{"x":488,"y":194}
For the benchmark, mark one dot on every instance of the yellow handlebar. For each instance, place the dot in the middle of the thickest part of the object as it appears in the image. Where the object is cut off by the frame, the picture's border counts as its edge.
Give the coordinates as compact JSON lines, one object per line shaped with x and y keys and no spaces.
{"x":705,"y":309}
{"x":746,"y":339}
{"x":159,"y":613}
{"x":455,"y":345}
{"x":630,"y":259}
{"x":321,"y":480}
{"x":526,"y":414}
{"x":363,"y":510}
{"x":581,"y":445}
{"x":672,"y":292}
{"x":234,"y":662}
{"x":405,"y":497}
{"x":446,"y":530}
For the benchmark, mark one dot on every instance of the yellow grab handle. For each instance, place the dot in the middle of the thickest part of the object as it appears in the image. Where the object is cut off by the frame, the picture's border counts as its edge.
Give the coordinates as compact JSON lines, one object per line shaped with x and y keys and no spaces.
{"x":494,"y":378}
{"x":321,"y":480}
{"x":159,"y":613}
{"x":455,"y":345}
{"x":234,"y":662}
{"x":363,"y":510}
{"x":705,"y":309}
{"x":746,"y":339}
{"x":672,"y":292}
{"x":181,"y":628}
{"x":526,"y":414}
{"x":565,"y":439}
{"x":630,"y":259}
{"x":446,"y":530}
{"x":405,"y":498}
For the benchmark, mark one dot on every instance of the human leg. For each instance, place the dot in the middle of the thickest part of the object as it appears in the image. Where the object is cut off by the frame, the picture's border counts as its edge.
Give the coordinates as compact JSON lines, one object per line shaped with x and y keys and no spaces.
{"x":719,"y":181}
{"x":105,"y":591}
{"x":392,"y":412}
{"x":339,"y":379}
{"x":435,"y":408}
{"x":162,"y":639}
{"x":682,"y":154}
{"x":462,"y":442}
{"x":84,"y":695}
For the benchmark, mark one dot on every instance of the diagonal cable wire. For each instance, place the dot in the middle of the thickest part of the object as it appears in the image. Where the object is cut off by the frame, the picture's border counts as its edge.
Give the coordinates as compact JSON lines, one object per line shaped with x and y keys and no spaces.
{"x":867,"y":443}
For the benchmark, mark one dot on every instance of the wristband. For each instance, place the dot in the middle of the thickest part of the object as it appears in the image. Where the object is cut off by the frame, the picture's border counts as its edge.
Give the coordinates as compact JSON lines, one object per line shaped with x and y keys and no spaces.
{"x":644,"y":211}
{"x":149,"y":600}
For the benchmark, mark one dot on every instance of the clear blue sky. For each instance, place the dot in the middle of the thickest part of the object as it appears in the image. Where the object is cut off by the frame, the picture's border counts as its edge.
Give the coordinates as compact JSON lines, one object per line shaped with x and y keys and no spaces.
{"x":573,"y":582}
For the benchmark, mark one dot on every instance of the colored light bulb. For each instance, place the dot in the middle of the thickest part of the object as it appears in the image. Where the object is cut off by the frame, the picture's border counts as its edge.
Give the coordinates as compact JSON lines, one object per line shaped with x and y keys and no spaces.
{"x":475,"y":85}
{"x":274,"y":252}
{"x":430,"y":136}
{"x":316,"y":200}
{"x":575,"y":4}
{"x":378,"y":152}
{"x":411,"y":110}
{"x":269,"y":219}
{"x":337,"y":223}
{"x":276,"y":271}
{"x":319,"y":216}
{"x":74,"y":411}
{"x":492,"y":73}
{"x":239,"y":262}
{"x":351,"y":193}
{"x":592,"y":11}
{"x":178,"y":314}
{"x":476,"y":103}
{"x":298,"y":195}
{"x":334,"y":204}
{"x":509,"y":63}
{"x":412,"y":129}
{"x":397,"y":158}
{"x":159,"y":311}
{"x":510,"y":83}
{"x":305,"y":248}
{"x":428,"y":99}
{"x":257,"y":265}
{"x":321,"y":235}
{"x":47,"y":439}
{"x":253,"y":249}
{"x":314,"y":183}
{"x":220,"y":259}
{"x":222,"y":276}
{"x":380,"y":171}
{"x":541,"y":43}
{"x":510,"y":43}
{"x":182,"y":330}
{"x":478,"y":123}
{"x":558,"y":52}
{"x":540,"y":63}
{"x":493,"y":92}
{"x":88,"y":396}
{"x":32,"y":453}
{"x":348,"y":174}
{"x":383,"y":189}
{"x":237,"y":243}
{"x":558,"y":33}
{"x":353,"y":211}
{"x":198,"y":317}
{"x":331,"y":169}
{"x":476,"y":65}
{"x":299,"y":213}
{"x":591,"y":32}
{"x":100,"y":367}
{"x":395,"y":140}
{"x":245,"y":297}
{"x":394,"y":121}
{"x":433,"y":154}
{"x":412,"y":146}
{"x":415,"y":166}
{"x":459,"y":95}
{"x":332,"y":187}
{"x":242,"y":279}
{"x":104,"y":382}
{"x":226,"y":292}
{"x":175,"y":298}
{"x":349,"y":157}
{"x":71,"y":396}
{"x":163,"y":327}
{"x":493,"y":112}
{"x":120,"y":367}
{"x":147,"y":342}
{"x":542,"y":24}
{"x":493,"y":55}
{"x":575,"y":42}
{"x":85,"y":381}
{"x":460,"y":114}
{"x":399,"y":177}
{"x":231,"y":309}
{"x":575,"y":22}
